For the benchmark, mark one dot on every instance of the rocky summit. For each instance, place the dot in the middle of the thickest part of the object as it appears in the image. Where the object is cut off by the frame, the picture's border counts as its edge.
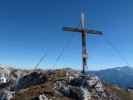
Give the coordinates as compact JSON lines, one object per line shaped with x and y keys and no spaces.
{"x":61,"y":84}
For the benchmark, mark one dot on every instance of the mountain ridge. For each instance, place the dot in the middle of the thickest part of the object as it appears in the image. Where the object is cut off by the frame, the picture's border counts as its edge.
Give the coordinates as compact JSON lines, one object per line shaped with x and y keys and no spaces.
{"x":58,"y":84}
{"x":122,"y":76}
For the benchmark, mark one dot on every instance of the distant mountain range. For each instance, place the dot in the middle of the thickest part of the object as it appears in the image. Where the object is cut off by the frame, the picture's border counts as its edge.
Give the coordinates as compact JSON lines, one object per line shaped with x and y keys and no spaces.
{"x":122,"y":76}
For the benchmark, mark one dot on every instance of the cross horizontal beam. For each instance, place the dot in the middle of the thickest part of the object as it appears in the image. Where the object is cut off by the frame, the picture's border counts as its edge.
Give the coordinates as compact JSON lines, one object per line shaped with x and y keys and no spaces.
{"x":89,"y":31}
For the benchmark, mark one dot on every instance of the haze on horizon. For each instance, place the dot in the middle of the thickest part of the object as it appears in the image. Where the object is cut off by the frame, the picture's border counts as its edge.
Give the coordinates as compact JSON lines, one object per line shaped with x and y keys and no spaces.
{"x":29,"y":29}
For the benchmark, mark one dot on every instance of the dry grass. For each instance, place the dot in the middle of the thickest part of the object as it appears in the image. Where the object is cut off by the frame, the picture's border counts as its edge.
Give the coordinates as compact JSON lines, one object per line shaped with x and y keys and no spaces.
{"x":123,"y":94}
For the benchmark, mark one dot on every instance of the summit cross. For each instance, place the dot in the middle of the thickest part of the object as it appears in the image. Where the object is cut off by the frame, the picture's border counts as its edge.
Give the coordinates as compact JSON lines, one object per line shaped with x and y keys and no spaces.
{"x":83,"y":32}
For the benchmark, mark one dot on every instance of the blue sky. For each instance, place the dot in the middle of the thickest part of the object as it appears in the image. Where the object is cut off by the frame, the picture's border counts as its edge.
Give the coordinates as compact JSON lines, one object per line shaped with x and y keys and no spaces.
{"x":30,"y":28}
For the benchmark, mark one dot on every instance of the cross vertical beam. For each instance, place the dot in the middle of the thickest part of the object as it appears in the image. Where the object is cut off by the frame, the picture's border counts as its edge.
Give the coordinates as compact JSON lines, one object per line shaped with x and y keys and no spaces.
{"x":84,"y":51}
{"x":83,"y":32}
{"x":84,"y":43}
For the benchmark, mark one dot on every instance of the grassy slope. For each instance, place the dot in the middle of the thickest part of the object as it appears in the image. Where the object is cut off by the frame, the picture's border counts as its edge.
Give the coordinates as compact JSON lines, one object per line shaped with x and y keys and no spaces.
{"x":123,"y":94}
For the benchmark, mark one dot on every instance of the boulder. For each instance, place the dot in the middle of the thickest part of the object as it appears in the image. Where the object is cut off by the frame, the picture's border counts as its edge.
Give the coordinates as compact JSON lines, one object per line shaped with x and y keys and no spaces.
{"x":31,"y":79}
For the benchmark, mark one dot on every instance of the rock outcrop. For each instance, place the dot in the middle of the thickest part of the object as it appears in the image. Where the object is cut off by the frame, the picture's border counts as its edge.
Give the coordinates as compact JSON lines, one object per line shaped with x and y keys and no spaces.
{"x":64,"y":84}
{"x":67,"y":85}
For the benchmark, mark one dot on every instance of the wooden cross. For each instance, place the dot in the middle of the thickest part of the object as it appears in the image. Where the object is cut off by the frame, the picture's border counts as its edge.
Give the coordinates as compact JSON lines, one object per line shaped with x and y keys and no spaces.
{"x":83,"y":32}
